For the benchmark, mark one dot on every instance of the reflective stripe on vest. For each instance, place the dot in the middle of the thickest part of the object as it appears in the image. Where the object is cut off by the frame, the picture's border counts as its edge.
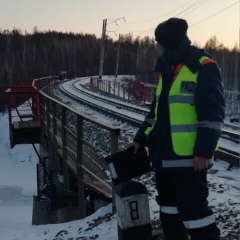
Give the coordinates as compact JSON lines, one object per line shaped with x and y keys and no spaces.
{"x":176,"y":163}
{"x":213,"y":125}
{"x":183,"y":116}
{"x":204,"y":124}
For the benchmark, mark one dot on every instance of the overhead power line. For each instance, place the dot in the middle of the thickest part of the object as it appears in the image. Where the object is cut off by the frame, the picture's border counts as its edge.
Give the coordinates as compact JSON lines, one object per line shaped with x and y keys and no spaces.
{"x":196,"y":4}
{"x":193,"y":7}
{"x":144,"y":33}
{"x":214,"y":14}
{"x":149,"y":20}
{"x":189,"y":8}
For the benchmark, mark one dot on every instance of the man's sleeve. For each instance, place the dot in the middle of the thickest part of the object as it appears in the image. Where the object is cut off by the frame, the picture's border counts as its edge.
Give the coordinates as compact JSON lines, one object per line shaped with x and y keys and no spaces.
{"x":140,"y":136}
{"x":210,"y":107}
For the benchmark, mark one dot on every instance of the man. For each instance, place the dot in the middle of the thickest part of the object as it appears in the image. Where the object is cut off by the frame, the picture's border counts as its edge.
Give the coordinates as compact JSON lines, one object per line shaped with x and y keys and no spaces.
{"x":182,"y":131}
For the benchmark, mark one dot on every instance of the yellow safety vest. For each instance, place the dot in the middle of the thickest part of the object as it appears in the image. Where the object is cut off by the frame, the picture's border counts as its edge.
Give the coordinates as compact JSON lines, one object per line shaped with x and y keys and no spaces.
{"x":183,"y":116}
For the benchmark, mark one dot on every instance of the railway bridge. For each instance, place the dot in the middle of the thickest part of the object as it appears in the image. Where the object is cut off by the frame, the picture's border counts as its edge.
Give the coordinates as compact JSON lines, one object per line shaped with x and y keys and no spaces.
{"x":72,"y":175}
{"x":72,"y":179}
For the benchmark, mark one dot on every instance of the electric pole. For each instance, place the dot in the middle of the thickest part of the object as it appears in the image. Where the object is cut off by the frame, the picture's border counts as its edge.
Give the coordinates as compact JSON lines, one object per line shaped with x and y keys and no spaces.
{"x":102,"y":48}
{"x":104,"y":28}
{"x":118,"y":54}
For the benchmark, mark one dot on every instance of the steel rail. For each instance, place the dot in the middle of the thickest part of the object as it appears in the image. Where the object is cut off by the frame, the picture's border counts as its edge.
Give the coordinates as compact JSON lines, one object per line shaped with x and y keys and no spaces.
{"x":227,"y":155}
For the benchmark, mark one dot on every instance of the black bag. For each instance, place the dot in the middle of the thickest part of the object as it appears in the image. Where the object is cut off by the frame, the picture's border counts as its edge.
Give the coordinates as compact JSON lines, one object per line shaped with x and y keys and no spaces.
{"x":125,"y":165}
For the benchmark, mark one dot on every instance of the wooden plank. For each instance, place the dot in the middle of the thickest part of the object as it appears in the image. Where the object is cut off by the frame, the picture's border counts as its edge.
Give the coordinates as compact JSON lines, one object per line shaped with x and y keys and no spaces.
{"x":20,"y":124}
{"x":90,"y":163}
{"x":59,"y":152}
{"x":87,"y":151}
{"x":37,"y":124}
{"x":72,"y":166}
{"x":33,"y":124}
{"x":94,"y":168}
{"x":26,"y":124}
{"x":71,"y":153}
{"x":71,"y":141}
{"x":27,"y":116}
{"x":97,"y":186}
{"x":92,"y":155}
{"x":90,"y":160}
{"x":88,"y":180}
{"x":16,"y":125}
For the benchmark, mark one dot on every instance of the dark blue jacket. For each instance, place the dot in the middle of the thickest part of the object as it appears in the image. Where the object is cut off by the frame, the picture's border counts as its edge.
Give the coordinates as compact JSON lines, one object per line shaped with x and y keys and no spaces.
{"x":209,"y":102}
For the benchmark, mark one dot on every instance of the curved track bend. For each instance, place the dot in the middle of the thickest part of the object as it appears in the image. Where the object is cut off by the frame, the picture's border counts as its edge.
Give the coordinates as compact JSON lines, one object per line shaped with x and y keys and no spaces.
{"x":134,"y":115}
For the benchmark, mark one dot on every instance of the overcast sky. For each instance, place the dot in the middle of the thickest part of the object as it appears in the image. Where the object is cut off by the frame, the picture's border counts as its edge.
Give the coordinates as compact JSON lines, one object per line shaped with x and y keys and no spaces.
{"x":206,"y":18}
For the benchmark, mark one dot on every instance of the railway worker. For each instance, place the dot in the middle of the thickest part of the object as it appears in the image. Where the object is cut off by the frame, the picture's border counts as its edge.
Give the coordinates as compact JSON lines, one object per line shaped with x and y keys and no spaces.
{"x":182,"y":131}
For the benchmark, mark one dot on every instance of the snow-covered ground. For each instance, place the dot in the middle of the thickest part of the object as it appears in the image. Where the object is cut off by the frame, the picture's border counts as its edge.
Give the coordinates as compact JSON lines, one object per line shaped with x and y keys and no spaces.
{"x":18,"y":185}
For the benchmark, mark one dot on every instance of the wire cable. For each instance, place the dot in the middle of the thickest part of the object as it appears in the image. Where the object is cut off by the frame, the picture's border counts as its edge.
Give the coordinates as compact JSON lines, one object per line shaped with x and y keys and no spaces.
{"x":149,"y":20}
{"x":193,"y":7}
{"x":214,"y":14}
{"x":224,"y":9}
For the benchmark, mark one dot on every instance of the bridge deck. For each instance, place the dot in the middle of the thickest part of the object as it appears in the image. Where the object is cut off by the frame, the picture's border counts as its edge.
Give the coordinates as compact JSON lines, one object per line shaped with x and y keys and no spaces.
{"x":25,"y":132}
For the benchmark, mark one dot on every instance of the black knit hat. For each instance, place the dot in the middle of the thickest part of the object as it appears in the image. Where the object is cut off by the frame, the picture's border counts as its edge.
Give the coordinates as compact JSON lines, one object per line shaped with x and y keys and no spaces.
{"x":171,"y":32}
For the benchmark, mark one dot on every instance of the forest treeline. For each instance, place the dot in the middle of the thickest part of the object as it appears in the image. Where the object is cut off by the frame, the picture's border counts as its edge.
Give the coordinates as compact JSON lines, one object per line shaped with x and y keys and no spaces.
{"x":24,"y":56}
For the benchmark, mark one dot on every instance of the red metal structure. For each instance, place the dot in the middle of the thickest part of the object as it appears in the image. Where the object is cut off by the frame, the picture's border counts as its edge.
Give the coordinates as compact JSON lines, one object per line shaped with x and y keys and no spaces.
{"x":148,"y":93}
{"x":23,"y":102}
{"x":144,"y":92}
{"x":24,"y":115}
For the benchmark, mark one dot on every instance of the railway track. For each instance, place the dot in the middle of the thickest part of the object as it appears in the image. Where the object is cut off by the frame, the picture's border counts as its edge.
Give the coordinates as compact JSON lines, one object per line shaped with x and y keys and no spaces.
{"x":118,"y":103}
{"x":117,"y":111}
{"x":228,"y":156}
{"x":123,"y":112}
